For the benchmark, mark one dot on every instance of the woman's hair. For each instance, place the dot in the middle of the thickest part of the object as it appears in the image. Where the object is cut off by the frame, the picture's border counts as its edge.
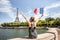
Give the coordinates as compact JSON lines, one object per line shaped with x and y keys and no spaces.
{"x":32,"y":19}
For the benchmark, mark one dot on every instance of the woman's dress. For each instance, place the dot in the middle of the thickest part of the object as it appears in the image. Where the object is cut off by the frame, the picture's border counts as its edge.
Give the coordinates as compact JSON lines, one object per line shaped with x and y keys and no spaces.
{"x":32,"y":31}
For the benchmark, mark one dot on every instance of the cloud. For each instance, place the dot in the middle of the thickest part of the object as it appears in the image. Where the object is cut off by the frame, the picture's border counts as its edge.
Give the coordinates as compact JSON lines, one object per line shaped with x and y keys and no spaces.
{"x":57,"y":14}
{"x":29,"y":11}
{"x":46,"y":12}
{"x":6,"y":7}
{"x":51,"y":6}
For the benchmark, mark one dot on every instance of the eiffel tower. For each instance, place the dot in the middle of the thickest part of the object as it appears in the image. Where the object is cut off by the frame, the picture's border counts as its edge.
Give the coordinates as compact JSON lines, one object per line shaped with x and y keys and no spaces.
{"x":17,"y":18}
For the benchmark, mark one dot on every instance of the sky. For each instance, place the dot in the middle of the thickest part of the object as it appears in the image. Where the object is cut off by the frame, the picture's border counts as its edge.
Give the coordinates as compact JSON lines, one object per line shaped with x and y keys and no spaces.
{"x":8,"y":9}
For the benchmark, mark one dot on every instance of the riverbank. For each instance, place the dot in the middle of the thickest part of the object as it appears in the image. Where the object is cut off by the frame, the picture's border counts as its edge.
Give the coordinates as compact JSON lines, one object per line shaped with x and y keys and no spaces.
{"x":21,"y":27}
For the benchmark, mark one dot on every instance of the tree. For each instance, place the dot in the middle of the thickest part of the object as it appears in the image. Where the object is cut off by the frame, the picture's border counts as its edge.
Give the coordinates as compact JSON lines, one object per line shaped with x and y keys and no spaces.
{"x":57,"y":22}
{"x":50,"y":21}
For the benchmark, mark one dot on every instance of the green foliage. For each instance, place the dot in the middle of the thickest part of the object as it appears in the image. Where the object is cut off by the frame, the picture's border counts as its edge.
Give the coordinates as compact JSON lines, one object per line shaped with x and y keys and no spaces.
{"x":14,"y":24}
{"x":49,"y":19}
{"x":57,"y":21}
{"x":51,"y":22}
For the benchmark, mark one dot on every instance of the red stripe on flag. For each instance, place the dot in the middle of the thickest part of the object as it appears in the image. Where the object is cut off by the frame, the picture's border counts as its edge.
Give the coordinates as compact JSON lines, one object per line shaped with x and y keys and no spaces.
{"x":35,"y":11}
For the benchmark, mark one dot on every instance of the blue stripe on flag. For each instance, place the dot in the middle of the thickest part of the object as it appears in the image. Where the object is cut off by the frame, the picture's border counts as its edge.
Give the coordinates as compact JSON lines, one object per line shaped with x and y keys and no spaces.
{"x":41,"y":10}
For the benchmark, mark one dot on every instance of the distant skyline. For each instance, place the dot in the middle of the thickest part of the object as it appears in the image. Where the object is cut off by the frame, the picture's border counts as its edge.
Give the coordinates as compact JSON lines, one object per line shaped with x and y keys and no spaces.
{"x":8,"y":9}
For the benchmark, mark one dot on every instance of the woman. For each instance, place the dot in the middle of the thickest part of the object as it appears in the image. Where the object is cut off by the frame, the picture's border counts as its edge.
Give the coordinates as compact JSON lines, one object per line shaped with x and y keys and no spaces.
{"x":32,"y":25}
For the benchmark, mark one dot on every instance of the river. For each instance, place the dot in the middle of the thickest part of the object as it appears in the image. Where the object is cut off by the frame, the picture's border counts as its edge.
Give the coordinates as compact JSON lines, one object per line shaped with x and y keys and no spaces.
{"x":16,"y":33}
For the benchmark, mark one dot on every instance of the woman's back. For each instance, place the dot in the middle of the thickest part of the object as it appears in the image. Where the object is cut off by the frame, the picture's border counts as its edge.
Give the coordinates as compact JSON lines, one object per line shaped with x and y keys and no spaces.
{"x":32,"y":24}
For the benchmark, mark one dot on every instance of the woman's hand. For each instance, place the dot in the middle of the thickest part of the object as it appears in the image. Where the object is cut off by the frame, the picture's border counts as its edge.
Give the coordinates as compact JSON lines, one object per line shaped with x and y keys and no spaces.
{"x":42,"y":15}
{"x":39,"y":18}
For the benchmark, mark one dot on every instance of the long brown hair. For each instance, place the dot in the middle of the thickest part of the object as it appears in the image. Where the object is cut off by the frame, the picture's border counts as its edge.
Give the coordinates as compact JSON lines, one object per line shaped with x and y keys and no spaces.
{"x":32,"y":19}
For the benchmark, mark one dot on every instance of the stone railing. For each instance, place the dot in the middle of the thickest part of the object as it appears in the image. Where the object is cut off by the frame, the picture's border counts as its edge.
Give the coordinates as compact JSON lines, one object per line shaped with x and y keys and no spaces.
{"x":51,"y":34}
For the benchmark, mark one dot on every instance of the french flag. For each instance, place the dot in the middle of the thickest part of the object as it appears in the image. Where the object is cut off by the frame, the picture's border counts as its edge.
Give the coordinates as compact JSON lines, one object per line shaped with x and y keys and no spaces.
{"x":40,"y":10}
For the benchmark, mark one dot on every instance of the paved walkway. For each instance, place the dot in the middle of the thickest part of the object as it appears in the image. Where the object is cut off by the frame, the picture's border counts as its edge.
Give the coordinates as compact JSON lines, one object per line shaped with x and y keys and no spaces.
{"x":58,"y":34}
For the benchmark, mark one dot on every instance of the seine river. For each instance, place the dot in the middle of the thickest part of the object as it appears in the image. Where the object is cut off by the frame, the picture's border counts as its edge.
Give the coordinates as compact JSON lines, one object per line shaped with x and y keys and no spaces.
{"x":6,"y":34}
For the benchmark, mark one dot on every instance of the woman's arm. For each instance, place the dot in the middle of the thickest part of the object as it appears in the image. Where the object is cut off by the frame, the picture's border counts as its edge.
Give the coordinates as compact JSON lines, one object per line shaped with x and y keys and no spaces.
{"x":24,"y":17}
{"x":39,"y":18}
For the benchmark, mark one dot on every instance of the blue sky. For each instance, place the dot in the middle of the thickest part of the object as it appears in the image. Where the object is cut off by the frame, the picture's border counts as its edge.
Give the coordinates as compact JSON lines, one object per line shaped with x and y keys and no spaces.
{"x":8,"y":9}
